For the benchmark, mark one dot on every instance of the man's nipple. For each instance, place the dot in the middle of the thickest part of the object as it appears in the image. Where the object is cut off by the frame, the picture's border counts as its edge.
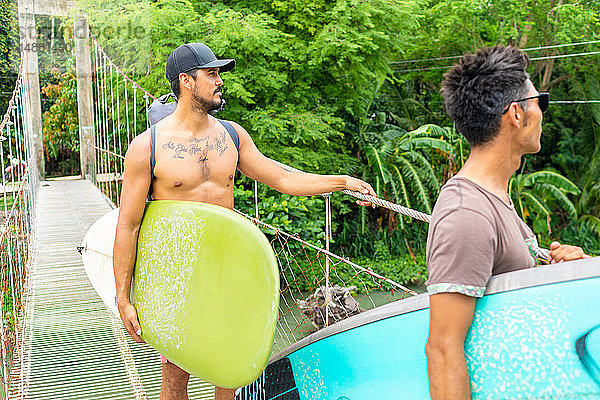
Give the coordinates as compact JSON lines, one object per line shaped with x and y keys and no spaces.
{"x":178,"y":183}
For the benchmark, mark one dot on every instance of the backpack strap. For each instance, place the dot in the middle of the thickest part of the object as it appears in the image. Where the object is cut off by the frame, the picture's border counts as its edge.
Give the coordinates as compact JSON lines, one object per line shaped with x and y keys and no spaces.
{"x":231,"y":130}
{"x":152,"y":159}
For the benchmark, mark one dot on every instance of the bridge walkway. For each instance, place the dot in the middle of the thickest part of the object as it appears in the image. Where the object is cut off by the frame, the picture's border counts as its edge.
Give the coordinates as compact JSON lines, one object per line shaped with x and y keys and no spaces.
{"x":73,"y":347}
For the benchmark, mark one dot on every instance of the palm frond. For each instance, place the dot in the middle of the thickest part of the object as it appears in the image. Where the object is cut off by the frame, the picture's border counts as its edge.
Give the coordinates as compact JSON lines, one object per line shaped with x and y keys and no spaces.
{"x":427,"y":143}
{"x":405,"y":198}
{"x":421,"y":192}
{"x":374,"y":158}
{"x":558,"y":195}
{"x":536,"y":203}
{"x":592,"y":222}
{"x":553,"y":178}
{"x":511,"y":183}
{"x":430,"y":130}
{"x":397,"y":200}
{"x":428,"y":173}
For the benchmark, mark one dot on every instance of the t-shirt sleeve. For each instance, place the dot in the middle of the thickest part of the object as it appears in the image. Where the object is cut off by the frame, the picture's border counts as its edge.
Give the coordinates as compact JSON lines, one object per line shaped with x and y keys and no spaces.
{"x":460,"y":253}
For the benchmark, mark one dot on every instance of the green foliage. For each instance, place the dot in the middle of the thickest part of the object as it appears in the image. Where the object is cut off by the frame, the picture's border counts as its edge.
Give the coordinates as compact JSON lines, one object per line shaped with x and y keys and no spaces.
{"x":401,"y":269}
{"x":539,"y":195}
{"x":9,"y":58}
{"x":61,"y":125}
{"x":297,"y":77}
{"x":584,"y":234}
{"x":293,"y":214}
{"x":407,"y":166}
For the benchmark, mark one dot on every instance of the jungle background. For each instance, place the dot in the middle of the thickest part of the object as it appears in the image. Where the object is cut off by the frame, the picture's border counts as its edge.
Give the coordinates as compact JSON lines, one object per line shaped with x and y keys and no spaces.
{"x":353,"y":87}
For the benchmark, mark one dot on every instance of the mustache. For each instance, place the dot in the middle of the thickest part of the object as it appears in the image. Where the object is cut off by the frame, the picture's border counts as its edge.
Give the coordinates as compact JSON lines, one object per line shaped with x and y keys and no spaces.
{"x":219,"y":89}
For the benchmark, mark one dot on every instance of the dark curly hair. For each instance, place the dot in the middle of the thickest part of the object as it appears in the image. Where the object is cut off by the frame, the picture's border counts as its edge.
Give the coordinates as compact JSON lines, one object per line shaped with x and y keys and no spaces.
{"x":478,"y":89}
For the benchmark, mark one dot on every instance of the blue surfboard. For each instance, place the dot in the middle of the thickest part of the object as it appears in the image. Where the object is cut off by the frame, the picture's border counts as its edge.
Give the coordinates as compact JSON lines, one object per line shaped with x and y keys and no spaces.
{"x":535,"y":335}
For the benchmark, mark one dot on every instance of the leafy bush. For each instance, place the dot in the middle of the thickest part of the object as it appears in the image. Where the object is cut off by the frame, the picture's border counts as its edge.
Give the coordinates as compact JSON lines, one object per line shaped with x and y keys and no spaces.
{"x":61,"y":124}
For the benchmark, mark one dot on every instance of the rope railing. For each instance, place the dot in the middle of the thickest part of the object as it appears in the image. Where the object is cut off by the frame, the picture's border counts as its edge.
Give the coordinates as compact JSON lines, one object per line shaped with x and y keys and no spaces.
{"x":18,"y":195}
{"x":375,"y":200}
{"x":115,"y":94}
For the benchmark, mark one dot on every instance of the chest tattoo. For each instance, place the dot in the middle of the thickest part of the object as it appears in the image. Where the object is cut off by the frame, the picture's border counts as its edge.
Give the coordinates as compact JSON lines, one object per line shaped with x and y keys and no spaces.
{"x":198,"y":147}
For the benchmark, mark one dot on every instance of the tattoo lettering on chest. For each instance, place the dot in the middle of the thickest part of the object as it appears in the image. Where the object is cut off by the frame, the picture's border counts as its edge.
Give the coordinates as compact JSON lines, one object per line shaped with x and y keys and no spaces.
{"x":198,"y":147}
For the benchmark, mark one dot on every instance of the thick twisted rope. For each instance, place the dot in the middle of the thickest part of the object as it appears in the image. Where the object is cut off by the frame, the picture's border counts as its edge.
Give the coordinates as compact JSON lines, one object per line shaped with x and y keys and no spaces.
{"x":389,"y":205}
{"x":375,"y":200}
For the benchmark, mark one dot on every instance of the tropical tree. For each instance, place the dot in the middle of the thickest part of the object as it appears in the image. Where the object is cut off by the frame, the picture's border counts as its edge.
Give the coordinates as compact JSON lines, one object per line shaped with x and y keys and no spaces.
{"x":588,"y":207}
{"x":538,"y":195}
{"x":61,"y":125}
{"x":407,"y":166}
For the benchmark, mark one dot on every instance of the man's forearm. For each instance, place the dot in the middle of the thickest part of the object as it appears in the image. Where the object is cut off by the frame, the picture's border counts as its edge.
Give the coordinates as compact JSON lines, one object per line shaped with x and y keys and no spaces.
{"x":448,"y":376}
{"x":306,"y":184}
{"x":124,"y":253}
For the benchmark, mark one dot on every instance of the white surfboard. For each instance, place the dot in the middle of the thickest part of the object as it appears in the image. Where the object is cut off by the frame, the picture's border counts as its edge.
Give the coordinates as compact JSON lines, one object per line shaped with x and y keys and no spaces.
{"x":97,"y":250}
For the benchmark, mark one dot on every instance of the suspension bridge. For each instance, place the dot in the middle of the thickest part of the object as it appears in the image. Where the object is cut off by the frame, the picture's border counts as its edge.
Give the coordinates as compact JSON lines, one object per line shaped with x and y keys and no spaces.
{"x":58,"y":340}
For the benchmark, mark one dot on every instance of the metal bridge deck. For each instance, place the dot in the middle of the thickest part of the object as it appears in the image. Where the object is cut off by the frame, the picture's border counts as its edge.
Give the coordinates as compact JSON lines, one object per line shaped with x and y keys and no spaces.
{"x":73,"y":348}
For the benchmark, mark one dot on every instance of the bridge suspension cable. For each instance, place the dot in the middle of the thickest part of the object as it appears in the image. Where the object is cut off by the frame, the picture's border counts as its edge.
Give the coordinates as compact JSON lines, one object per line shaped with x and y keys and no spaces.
{"x":18,"y":192}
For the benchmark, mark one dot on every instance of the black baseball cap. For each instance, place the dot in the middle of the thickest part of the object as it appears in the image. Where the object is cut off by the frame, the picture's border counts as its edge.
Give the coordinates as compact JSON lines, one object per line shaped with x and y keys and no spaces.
{"x":192,"y":56}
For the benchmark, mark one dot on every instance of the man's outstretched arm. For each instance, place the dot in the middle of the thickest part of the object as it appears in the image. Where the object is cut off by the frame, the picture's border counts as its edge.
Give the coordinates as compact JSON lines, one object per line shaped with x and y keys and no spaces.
{"x":255,"y":165}
{"x":136,"y":182}
{"x":451,"y":315}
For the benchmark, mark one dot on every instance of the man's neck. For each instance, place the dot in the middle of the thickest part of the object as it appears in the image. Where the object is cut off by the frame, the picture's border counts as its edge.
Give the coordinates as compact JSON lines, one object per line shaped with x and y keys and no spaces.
{"x":188,"y":119}
{"x":492,"y":165}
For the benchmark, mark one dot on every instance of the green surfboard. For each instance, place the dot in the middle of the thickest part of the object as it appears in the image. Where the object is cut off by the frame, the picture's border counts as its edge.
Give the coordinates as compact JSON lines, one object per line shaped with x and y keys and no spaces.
{"x":206,"y":289}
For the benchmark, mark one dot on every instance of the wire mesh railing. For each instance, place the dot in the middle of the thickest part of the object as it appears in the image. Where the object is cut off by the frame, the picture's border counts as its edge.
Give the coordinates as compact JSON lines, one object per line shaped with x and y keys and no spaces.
{"x":119,"y":106}
{"x":318,"y":287}
{"x":19,"y":186}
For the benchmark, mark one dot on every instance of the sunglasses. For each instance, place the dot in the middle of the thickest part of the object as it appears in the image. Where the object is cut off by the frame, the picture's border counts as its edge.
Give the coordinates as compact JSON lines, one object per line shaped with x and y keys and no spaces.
{"x":543,"y":101}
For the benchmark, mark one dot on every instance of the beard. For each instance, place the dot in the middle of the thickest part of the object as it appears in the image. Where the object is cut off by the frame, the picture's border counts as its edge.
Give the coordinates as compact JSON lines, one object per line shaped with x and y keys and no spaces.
{"x":205,"y":106}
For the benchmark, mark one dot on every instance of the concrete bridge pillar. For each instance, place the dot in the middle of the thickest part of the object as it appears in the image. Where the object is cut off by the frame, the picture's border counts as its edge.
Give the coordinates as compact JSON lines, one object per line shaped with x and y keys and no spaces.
{"x":28,"y":9}
{"x":28,"y":42}
{"x":85,"y":96}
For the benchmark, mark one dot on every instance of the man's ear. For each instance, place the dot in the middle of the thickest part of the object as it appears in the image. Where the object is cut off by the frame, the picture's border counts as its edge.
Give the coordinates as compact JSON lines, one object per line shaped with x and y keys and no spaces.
{"x":515,"y":115}
{"x":185,"y":80}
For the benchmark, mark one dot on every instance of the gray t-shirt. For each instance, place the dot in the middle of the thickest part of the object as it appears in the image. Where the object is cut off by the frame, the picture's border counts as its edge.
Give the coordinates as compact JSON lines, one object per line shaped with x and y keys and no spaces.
{"x":473,"y":235}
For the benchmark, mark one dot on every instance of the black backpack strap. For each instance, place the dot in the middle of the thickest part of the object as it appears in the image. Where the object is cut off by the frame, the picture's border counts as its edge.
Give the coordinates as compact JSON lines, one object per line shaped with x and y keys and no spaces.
{"x":152,"y":158}
{"x":231,"y":130}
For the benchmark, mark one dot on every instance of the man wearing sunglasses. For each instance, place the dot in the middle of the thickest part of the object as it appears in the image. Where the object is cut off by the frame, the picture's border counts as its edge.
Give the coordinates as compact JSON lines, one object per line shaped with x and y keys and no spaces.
{"x":475,"y":231}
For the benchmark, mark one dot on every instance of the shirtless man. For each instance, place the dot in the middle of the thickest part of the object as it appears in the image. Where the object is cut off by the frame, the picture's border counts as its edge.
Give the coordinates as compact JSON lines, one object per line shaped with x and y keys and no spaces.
{"x":188,"y":168}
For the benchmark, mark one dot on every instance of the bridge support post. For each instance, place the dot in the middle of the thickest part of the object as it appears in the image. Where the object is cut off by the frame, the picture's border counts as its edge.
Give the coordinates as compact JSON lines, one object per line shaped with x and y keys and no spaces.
{"x":85,"y":97}
{"x":28,"y":43}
